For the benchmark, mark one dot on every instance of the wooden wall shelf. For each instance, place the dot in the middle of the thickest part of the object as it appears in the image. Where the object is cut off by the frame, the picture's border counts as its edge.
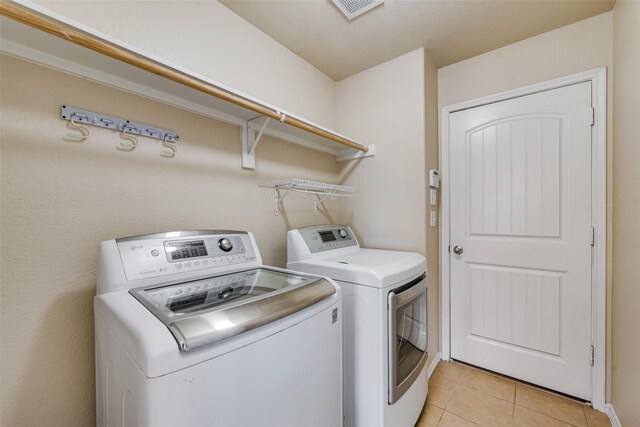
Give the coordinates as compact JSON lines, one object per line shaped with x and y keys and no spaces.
{"x":38,"y":35}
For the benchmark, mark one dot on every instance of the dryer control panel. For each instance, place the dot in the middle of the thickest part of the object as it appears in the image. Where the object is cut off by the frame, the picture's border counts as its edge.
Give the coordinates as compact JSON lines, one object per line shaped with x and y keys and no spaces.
{"x":321,"y":238}
{"x":168,"y":253}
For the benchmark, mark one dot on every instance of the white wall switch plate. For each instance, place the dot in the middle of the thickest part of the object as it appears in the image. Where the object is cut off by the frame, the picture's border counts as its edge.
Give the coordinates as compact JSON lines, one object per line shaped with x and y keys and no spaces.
{"x":434,"y":196}
{"x":434,"y":217}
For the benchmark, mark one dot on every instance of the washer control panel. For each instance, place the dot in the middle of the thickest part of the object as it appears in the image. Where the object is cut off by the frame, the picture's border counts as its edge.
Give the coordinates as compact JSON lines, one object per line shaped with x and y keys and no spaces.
{"x":321,"y":238}
{"x":158,"y":255}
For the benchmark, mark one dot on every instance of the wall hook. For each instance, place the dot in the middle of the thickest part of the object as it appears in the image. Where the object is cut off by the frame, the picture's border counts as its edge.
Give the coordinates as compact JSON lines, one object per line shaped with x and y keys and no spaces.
{"x":83,"y":134}
{"x":171,"y":145}
{"x":128,"y":136}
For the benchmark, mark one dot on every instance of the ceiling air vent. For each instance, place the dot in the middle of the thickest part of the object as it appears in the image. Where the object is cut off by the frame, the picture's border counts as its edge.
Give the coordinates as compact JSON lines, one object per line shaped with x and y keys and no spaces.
{"x":354,"y":8}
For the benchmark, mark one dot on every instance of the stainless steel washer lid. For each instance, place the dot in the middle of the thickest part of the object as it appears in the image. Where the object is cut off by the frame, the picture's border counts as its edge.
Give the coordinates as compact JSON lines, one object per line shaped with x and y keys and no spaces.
{"x":203,"y":312}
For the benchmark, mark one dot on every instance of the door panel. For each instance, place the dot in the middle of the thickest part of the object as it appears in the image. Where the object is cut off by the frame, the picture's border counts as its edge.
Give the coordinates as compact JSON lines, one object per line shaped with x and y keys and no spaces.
{"x":509,"y":194}
{"x":515,"y":306}
{"x":520,"y":184}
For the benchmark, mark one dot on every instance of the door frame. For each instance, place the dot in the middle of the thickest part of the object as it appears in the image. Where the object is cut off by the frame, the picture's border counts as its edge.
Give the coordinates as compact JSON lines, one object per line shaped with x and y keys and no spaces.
{"x":598,"y":79}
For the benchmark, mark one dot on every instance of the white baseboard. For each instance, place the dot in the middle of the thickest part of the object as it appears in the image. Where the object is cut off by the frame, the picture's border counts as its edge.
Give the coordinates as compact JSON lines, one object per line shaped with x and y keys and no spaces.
{"x":613,"y":417}
{"x":433,"y":365}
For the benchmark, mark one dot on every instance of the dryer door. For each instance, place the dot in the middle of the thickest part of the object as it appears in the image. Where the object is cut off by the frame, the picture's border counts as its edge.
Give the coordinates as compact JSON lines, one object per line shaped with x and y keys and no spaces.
{"x":407,"y":335}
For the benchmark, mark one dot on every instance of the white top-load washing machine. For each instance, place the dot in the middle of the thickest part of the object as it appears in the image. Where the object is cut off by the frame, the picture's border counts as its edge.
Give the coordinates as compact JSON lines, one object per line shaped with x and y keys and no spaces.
{"x":192,"y":330}
{"x":385,"y":322}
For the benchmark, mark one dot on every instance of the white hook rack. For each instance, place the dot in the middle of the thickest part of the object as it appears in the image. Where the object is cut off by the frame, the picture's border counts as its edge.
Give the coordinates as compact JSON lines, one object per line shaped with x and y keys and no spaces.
{"x":129,"y":129}
{"x":320,"y":191}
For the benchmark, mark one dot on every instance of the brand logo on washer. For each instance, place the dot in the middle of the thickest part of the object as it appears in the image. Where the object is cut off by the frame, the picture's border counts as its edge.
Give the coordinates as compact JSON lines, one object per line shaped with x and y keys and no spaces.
{"x":334,"y":315}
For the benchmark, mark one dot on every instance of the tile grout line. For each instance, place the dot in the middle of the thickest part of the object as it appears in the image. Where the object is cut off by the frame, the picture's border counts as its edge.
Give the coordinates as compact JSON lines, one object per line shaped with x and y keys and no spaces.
{"x":558,"y":419}
{"x":490,"y":395}
{"x":449,"y":399}
{"x":440,"y":418}
{"x":551,"y":416}
{"x":459,"y":416}
{"x":584,"y":410}
{"x":457,"y":382}
{"x":516,"y":382}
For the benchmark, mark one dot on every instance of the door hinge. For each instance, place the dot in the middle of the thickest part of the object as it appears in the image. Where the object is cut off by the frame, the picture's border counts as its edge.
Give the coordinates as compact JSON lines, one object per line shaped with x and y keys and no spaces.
{"x":593,"y":116}
{"x":593,"y":236}
{"x":593,"y":355}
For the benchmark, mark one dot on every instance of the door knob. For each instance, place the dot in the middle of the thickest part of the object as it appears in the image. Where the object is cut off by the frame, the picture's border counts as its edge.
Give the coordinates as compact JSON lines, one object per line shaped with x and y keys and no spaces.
{"x":458,"y":250}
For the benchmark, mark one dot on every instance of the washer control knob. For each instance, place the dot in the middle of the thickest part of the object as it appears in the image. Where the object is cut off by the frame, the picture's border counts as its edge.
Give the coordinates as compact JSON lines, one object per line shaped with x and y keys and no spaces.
{"x":342,"y":233}
{"x":225,"y":244}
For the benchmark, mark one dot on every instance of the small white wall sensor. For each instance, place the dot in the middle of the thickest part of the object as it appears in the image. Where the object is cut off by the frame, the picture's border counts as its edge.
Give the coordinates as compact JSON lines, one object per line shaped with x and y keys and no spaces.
{"x":433,"y":219}
{"x":434,"y":178}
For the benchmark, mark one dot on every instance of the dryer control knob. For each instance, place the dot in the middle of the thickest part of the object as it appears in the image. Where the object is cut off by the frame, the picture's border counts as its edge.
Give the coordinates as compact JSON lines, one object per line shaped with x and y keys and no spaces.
{"x":342,"y":233}
{"x":225,"y":244}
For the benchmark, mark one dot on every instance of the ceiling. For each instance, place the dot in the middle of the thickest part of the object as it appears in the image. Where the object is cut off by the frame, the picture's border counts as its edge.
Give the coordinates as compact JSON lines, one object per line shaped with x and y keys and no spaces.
{"x":450,"y":30}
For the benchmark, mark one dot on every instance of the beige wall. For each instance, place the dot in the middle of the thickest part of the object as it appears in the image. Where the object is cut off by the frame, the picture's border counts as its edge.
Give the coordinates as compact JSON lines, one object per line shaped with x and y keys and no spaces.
{"x":432,"y":233}
{"x":60,"y":199}
{"x":579,"y":47}
{"x":385,"y":105}
{"x":625,"y":394}
{"x":209,"y":39}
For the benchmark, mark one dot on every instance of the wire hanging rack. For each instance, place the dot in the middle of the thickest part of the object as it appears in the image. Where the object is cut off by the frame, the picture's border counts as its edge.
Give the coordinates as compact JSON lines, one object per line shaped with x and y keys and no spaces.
{"x":320,"y":191}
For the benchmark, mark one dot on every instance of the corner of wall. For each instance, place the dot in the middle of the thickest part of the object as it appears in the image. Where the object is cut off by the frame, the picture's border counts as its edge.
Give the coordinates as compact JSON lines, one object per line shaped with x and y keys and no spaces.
{"x":625,"y":292}
{"x":432,"y":159}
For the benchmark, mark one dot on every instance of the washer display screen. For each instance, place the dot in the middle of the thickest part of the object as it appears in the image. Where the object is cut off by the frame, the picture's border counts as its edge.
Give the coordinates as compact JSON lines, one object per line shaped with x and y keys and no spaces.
{"x":183,"y":250}
{"x":327,"y":236}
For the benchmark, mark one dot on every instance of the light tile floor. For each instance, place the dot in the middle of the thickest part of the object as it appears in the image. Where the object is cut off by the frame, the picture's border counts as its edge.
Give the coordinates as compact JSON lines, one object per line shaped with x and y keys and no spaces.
{"x":461,"y":396}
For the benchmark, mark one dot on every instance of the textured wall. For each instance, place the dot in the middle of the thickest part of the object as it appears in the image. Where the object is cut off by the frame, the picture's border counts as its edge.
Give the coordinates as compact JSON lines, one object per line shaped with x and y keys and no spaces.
{"x":432,"y":233}
{"x":60,"y":199}
{"x":626,"y":202}
{"x":582,"y":46}
{"x":211,"y":40}
{"x":385,"y":105}
{"x":577,"y":47}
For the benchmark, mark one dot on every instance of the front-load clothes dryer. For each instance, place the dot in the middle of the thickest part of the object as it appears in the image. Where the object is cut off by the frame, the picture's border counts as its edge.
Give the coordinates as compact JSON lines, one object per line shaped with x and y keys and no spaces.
{"x":192,"y":330}
{"x":385,"y":322}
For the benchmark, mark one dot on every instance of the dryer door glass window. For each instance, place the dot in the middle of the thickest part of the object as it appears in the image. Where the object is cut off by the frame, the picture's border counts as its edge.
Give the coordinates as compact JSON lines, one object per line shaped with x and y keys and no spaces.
{"x":411,"y":337}
{"x":407,"y":335}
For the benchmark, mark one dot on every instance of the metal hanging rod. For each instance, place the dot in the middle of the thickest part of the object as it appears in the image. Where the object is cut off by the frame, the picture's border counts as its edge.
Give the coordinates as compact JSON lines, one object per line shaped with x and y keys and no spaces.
{"x":30,"y":17}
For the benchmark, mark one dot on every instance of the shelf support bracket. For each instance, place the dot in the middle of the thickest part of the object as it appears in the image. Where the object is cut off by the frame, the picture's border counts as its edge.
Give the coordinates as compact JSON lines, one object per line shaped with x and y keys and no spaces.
{"x":319,"y":200}
{"x":278,"y":198}
{"x":251,"y":141}
{"x":353,"y":154}
{"x":256,"y":139}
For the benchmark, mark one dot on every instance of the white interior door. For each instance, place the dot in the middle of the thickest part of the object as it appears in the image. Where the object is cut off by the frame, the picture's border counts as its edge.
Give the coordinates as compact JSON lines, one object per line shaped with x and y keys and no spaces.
{"x":520,"y":211}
